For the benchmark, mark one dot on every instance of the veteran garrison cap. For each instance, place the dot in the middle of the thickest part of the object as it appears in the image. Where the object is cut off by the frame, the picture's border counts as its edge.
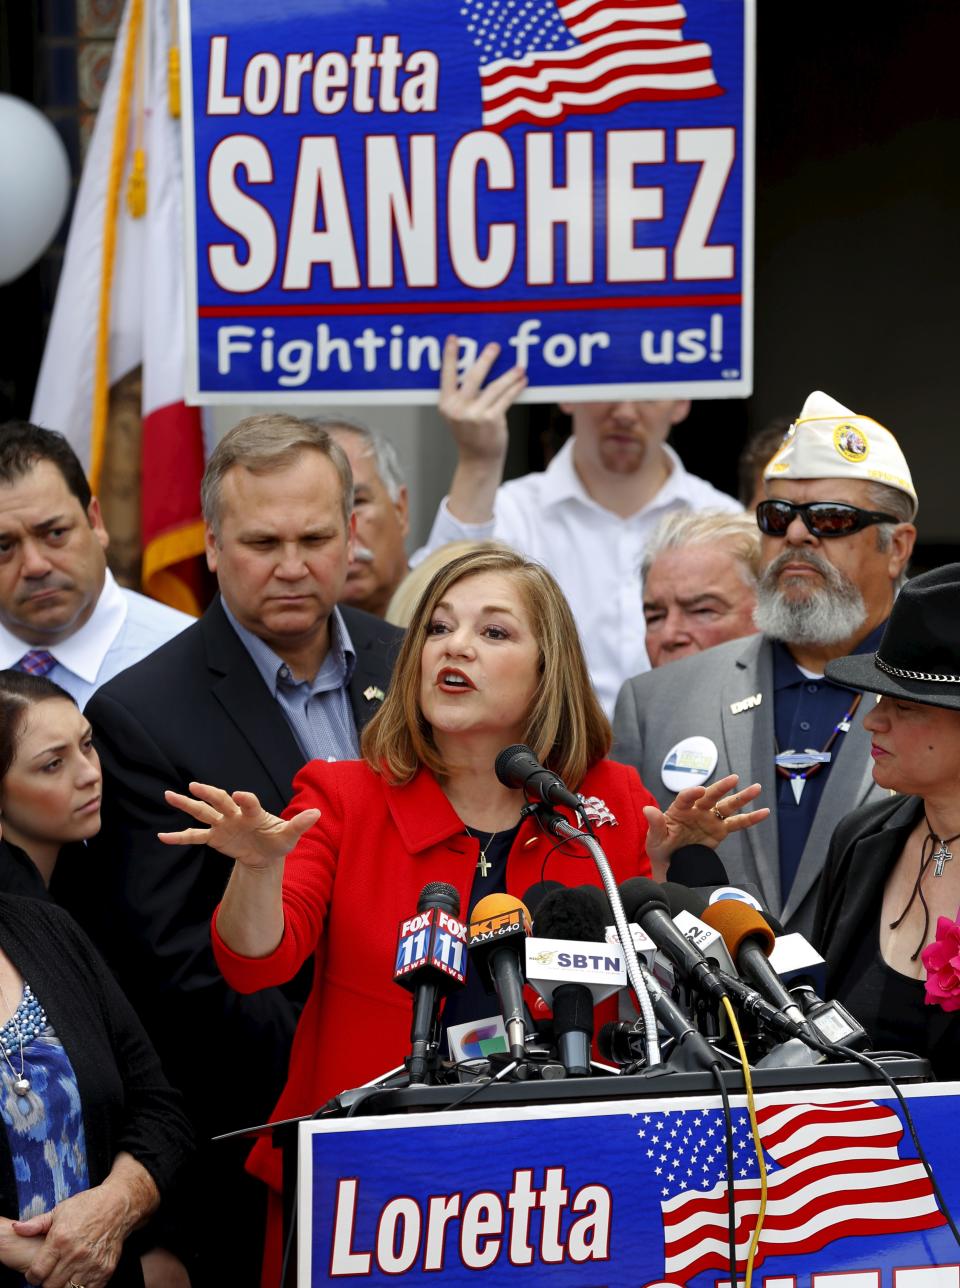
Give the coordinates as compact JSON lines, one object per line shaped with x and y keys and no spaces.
{"x":828,"y":441}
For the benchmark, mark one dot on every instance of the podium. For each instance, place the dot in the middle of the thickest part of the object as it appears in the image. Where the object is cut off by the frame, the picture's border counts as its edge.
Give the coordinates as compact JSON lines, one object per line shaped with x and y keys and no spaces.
{"x":622,"y":1181}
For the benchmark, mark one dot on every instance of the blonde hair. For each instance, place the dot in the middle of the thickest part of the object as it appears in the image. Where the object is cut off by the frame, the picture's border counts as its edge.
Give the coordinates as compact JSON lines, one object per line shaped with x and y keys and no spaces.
{"x":402,"y":606}
{"x":566,"y":728}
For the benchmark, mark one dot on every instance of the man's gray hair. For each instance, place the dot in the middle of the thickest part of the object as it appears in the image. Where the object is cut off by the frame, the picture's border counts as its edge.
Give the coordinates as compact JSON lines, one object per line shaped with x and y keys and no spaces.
{"x":269,"y":443}
{"x":889,"y":500}
{"x":737,"y":533}
{"x":384,"y":453}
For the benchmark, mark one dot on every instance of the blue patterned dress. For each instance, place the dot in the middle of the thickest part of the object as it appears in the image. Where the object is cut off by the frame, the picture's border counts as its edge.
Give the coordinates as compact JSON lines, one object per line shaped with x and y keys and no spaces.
{"x":44,"y":1125}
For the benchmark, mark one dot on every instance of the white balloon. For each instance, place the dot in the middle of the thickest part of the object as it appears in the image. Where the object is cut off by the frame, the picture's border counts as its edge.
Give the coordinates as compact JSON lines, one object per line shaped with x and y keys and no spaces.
{"x":34,"y":185}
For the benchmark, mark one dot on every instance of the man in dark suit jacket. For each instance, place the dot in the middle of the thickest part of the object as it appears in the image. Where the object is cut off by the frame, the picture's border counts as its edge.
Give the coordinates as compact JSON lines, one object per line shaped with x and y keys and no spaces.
{"x":271,"y":676}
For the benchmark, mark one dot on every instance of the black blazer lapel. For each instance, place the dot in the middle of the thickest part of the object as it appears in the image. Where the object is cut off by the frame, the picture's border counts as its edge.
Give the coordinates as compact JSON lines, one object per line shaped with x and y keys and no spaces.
{"x":867,"y":863}
{"x":239,"y":688}
{"x":376,"y":644}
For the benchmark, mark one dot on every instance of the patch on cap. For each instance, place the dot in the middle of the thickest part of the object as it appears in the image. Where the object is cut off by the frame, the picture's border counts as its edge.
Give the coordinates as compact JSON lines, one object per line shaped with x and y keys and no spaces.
{"x":851,"y":443}
{"x":829,"y":441}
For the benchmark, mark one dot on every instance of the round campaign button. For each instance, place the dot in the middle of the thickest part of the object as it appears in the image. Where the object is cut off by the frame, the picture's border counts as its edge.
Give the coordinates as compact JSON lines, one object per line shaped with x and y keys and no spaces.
{"x":689,"y":763}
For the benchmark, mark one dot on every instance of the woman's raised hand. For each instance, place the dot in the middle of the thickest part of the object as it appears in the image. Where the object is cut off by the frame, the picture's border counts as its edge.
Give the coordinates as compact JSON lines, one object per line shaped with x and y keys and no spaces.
{"x":701,"y":816}
{"x":237,"y":825}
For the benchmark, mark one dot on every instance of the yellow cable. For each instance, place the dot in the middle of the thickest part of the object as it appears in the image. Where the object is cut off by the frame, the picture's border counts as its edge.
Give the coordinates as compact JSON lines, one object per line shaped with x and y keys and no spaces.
{"x":101,"y":370}
{"x":757,"y":1144}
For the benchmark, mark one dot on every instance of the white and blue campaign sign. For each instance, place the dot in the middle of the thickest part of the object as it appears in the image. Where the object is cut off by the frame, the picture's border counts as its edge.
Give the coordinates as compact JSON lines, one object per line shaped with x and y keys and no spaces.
{"x":634,"y":1193}
{"x":570,"y":178}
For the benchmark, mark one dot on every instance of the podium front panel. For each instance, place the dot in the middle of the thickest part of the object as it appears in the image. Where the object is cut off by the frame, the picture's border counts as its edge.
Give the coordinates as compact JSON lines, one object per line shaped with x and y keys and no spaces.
{"x":633,"y":1193}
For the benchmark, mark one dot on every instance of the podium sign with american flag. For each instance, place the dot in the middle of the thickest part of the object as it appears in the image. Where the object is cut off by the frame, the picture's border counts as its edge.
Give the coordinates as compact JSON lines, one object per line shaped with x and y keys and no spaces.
{"x":635,"y":1193}
{"x":572,"y":179}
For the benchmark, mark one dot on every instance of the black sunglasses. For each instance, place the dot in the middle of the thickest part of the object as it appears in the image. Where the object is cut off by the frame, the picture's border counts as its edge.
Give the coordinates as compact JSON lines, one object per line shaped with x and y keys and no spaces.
{"x":823,"y":518}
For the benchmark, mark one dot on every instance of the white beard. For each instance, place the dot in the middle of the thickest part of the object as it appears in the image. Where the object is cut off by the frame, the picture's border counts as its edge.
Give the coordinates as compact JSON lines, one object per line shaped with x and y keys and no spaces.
{"x":827,"y":614}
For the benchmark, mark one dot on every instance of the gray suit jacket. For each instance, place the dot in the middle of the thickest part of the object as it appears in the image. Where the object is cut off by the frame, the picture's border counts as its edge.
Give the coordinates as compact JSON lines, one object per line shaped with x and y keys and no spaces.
{"x":694,"y":696}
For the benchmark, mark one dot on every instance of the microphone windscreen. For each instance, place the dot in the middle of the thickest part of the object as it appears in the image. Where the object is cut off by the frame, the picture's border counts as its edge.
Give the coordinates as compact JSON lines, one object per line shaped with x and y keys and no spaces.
{"x":599,"y":897}
{"x":640,"y":893}
{"x":514,"y":761}
{"x":535,"y":896}
{"x":496,"y":904}
{"x":439,"y":894}
{"x":696,"y":865}
{"x":570,"y":914}
{"x":606,"y":1041}
{"x":738,"y":922}
{"x":682,"y":899}
{"x":775,"y":925}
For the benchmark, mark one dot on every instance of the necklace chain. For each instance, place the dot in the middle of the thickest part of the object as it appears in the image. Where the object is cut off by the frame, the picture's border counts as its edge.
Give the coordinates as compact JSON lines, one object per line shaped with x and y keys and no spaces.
{"x":483,"y":867}
{"x":799,"y":776}
{"x":30,"y":1014}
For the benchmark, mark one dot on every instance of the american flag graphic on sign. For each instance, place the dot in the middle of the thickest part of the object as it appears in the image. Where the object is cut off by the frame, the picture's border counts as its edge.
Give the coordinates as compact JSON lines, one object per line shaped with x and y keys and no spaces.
{"x":544,"y":60}
{"x":832,"y":1171}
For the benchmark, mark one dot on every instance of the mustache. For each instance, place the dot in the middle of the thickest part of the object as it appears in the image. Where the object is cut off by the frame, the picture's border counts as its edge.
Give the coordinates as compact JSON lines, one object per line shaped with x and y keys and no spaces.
{"x":362,"y":554}
{"x":834,"y":579}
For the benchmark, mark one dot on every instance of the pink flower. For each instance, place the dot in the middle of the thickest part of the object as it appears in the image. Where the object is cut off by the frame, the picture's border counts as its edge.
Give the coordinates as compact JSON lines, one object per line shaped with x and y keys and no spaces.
{"x":942,"y":960}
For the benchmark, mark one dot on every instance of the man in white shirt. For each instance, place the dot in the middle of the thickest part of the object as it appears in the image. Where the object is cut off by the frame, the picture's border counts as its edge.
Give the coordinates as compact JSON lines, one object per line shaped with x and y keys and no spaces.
{"x":586,"y":517}
{"x":61,"y":612}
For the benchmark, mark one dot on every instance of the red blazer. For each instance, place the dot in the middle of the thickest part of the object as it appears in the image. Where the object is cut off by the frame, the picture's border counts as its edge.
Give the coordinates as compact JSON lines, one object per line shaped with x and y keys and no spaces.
{"x":350,"y":882}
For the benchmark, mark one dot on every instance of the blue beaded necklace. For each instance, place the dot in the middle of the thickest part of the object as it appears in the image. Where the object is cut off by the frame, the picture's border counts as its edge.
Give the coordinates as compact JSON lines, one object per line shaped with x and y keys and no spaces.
{"x":24,"y":1024}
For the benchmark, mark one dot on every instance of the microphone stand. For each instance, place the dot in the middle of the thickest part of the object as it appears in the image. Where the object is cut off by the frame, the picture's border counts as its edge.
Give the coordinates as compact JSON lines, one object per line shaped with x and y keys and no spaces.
{"x":643,"y":983}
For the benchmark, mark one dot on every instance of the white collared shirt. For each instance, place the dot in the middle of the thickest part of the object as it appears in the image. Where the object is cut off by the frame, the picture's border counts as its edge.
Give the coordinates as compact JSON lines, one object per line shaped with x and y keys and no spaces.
{"x":593,"y":553}
{"x":123,"y":628}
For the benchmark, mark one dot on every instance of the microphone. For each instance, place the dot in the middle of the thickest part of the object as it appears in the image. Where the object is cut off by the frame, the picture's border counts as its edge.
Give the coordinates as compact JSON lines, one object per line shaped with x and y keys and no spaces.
{"x":572,"y":915}
{"x":499,"y":926}
{"x":645,"y":902}
{"x":700,"y":868}
{"x":536,"y":894}
{"x":696,"y":865}
{"x":430,"y":962}
{"x":750,"y":941}
{"x":517,"y":766}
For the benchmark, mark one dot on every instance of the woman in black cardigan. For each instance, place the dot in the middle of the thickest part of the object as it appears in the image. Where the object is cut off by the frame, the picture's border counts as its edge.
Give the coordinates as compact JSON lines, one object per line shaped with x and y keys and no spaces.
{"x":136,"y":1133}
{"x":91,"y":1133}
{"x":888,"y":918}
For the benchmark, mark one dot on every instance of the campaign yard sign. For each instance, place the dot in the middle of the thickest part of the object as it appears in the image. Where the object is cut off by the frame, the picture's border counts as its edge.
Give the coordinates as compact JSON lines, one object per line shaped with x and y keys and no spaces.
{"x":634,"y":1194}
{"x":570,"y":178}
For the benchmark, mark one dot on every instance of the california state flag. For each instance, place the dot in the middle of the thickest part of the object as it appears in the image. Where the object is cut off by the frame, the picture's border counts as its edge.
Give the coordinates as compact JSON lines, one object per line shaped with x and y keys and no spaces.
{"x":120,"y":304}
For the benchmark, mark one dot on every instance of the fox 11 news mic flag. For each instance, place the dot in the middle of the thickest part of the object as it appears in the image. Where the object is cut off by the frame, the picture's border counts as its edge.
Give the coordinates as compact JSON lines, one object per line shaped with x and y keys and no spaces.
{"x":431,"y":961}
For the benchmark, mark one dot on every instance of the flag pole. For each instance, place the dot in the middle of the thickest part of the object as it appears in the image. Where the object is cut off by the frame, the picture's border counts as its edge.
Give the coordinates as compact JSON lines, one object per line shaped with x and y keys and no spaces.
{"x":101,"y":372}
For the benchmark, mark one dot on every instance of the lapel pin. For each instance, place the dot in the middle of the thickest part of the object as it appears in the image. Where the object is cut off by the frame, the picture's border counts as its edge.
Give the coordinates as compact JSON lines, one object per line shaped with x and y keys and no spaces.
{"x":746,"y":704}
{"x":373,"y":694}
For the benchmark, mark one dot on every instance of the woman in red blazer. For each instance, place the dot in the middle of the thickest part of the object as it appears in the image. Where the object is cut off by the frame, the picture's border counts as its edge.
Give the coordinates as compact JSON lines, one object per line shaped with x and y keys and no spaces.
{"x":491,"y":658}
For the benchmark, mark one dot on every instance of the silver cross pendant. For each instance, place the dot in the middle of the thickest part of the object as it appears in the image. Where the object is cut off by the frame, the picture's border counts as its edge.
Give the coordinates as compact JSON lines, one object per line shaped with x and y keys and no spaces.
{"x":939,"y":859}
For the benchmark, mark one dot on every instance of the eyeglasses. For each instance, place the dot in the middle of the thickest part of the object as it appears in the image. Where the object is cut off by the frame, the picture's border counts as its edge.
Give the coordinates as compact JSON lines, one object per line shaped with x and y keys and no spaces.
{"x":822,"y":518}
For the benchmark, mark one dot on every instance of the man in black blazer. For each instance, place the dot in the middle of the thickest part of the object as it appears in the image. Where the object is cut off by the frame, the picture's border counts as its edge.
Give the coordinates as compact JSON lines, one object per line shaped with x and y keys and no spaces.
{"x":272,"y":675}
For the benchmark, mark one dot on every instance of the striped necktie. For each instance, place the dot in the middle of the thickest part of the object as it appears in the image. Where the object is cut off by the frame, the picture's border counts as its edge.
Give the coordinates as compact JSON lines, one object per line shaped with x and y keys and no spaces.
{"x":37,"y":662}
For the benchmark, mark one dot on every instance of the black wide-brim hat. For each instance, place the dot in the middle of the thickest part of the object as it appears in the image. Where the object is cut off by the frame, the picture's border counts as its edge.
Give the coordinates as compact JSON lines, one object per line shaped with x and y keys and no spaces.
{"x":919,"y":656}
